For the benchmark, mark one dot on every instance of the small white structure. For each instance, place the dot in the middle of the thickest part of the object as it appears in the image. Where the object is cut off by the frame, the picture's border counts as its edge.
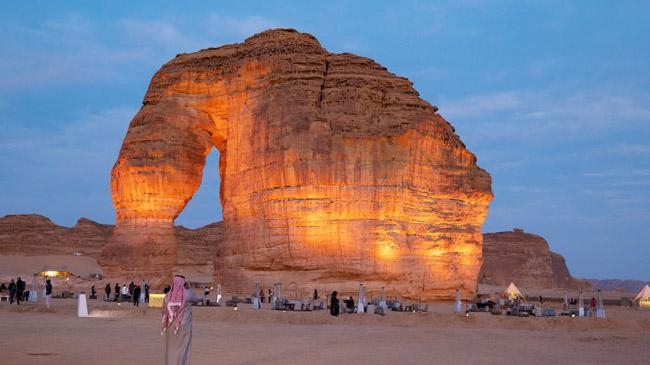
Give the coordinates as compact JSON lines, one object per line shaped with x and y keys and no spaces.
{"x":82,"y":306}
{"x":361,"y":306}
{"x":277,"y":295}
{"x":600,"y":308}
{"x":256,"y":296}
{"x":581,"y":305}
{"x":643,"y":297}
{"x":458,"y":306}
{"x":382,"y":301}
{"x":33,"y":294}
{"x":218,"y":301}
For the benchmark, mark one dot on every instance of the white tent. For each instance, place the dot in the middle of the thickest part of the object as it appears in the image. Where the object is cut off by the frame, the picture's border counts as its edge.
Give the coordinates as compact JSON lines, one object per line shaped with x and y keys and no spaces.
{"x":643,"y":297}
{"x":512,"y":292}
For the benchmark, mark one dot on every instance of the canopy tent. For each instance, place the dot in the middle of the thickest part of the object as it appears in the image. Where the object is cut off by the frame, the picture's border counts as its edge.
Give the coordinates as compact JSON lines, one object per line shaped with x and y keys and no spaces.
{"x":511,"y":292}
{"x":643,"y":297}
{"x":54,"y":272}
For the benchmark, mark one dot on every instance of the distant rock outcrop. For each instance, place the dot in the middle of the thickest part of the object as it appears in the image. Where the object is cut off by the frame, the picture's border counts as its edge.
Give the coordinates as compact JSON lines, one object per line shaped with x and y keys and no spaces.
{"x":629,"y":286}
{"x":523,"y":258}
{"x":33,"y":234}
{"x":333,"y":170}
{"x":508,"y":256}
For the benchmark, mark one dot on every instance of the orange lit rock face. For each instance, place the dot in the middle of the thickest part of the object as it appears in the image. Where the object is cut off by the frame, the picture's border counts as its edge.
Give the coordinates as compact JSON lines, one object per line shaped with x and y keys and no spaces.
{"x":333,"y":170}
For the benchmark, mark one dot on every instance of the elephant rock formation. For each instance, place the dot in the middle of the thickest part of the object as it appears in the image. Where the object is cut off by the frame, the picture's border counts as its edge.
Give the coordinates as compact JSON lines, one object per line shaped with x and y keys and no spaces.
{"x":333,"y":171}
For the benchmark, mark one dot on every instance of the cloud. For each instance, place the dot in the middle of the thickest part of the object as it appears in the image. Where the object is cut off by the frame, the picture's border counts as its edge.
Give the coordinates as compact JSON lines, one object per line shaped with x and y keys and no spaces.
{"x":159,"y":34}
{"x":617,"y":172}
{"x":62,"y":171}
{"x":237,"y":29}
{"x":626,"y":150}
{"x":73,"y":49}
{"x":69,"y":50}
{"x":547,"y":115}
{"x":94,"y":135}
{"x":527,"y":189}
{"x":481,"y":105}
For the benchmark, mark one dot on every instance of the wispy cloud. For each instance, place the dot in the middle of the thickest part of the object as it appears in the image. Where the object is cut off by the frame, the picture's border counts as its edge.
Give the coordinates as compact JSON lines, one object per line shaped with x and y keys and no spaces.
{"x":617,"y":172}
{"x":73,"y":49}
{"x":235,"y":29}
{"x":482,"y":105}
{"x":555,"y":115}
{"x":91,"y":136}
{"x":157,"y":33}
{"x":631,"y":149}
{"x":69,"y":50}
{"x":67,"y":166}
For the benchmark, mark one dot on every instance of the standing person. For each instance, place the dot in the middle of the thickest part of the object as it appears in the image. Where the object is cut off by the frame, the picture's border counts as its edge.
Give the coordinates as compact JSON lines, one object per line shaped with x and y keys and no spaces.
{"x":48,"y":292}
{"x":136,"y":295}
{"x":125,"y":292}
{"x":177,"y":322}
{"x":93,"y":292}
{"x":334,"y":304}
{"x":270,"y":295}
{"x":117,"y":292}
{"x":593,"y":305}
{"x":107,"y":291}
{"x":20,"y":290}
{"x":12,"y":290}
{"x":206,"y":295}
{"x":147,"y":287}
{"x":261,"y":295}
{"x":315,"y":295}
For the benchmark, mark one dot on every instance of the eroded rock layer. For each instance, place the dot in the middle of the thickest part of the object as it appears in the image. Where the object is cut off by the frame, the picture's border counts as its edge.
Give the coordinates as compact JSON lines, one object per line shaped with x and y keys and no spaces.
{"x":515,"y":256}
{"x":525,"y":259}
{"x":332,"y":170}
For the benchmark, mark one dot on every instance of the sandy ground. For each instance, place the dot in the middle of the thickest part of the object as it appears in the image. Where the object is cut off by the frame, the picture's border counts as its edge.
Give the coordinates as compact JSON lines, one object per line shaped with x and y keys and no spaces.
{"x":123,"y":334}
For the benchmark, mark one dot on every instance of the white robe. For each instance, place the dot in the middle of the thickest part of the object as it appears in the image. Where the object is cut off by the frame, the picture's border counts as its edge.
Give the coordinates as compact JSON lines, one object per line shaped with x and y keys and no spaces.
{"x":178,"y":345}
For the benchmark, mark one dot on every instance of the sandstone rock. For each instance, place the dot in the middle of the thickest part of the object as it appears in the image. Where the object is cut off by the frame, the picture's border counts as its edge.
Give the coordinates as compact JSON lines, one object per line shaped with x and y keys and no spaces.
{"x":36,"y":235}
{"x":525,"y":259}
{"x":333,"y":170}
{"x":507,"y":256}
{"x":32,"y":234}
{"x":197,"y":249}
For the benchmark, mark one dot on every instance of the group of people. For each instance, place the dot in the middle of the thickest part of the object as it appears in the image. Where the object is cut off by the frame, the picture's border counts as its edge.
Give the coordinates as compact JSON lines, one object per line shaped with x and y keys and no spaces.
{"x":334,"y":304}
{"x":269,"y":297}
{"x":132,"y":292}
{"x":16,"y":290}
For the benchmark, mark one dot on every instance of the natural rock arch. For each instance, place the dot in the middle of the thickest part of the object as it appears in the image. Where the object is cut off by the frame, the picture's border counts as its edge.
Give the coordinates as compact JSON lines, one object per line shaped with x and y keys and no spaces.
{"x":333,"y":170}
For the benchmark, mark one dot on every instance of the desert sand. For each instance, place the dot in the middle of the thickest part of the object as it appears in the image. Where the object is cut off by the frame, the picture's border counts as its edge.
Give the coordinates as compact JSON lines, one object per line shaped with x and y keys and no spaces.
{"x":124,"y":334}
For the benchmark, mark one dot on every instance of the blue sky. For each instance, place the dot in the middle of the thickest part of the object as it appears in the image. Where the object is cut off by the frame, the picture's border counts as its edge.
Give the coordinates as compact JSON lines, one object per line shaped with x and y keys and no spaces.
{"x":552,"y":96}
